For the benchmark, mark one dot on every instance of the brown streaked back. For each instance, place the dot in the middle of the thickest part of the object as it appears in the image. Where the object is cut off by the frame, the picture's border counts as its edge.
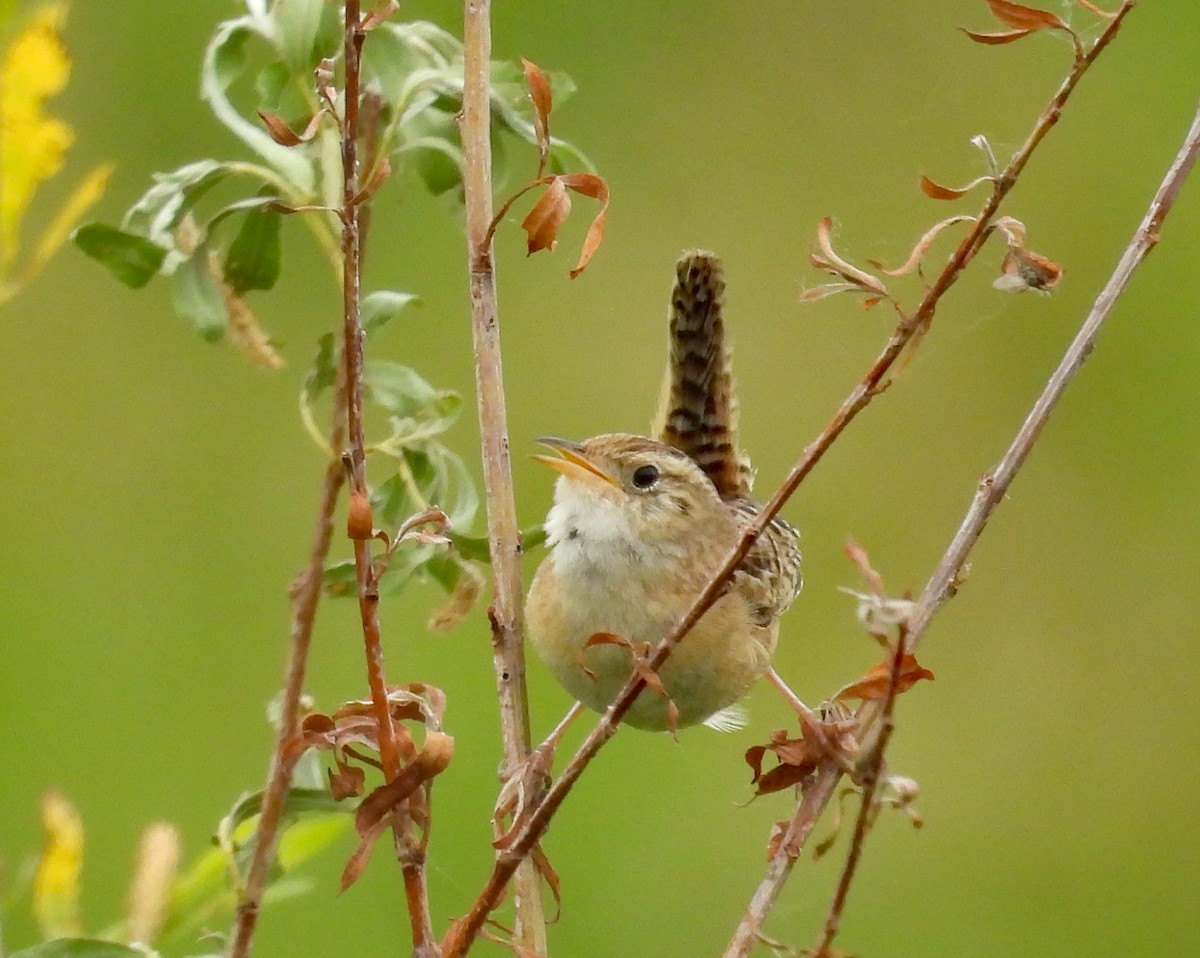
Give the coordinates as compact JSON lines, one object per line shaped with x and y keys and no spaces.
{"x":698,"y":411}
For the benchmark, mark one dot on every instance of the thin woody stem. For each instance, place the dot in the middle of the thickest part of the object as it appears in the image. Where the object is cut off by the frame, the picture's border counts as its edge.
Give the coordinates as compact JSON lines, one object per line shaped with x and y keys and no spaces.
{"x":504,"y":536}
{"x":462,"y":934}
{"x":870,"y":770}
{"x":409,"y":852}
{"x":306,"y":595}
{"x":943,"y":583}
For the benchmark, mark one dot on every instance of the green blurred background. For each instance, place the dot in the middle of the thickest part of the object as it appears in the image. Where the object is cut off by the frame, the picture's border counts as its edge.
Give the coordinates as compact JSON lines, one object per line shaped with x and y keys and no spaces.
{"x":158,"y":493}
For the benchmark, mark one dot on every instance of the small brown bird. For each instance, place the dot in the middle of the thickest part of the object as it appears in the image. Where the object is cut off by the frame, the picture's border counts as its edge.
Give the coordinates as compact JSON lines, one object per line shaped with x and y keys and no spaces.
{"x":639,"y":525}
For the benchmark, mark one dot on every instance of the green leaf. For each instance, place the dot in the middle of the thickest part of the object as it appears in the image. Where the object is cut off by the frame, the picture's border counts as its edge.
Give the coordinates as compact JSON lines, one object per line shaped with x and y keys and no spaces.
{"x":298,"y":22}
{"x":429,"y":144}
{"x":78,"y":948}
{"x":273,"y":84}
{"x":382,"y":306}
{"x":340,"y":579}
{"x":398,"y":389}
{"x":322,"y":374}
{"x":312,"y":835}
{"x":159,"y":210}
{"x":253,"y":258}
{"x":131,"y":259}
{"x":224,"y":62}
{"x":197,"y":298}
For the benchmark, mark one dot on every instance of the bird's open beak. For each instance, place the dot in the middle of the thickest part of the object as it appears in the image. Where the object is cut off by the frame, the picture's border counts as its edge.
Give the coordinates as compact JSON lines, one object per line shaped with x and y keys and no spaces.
{"x":571,"y":461}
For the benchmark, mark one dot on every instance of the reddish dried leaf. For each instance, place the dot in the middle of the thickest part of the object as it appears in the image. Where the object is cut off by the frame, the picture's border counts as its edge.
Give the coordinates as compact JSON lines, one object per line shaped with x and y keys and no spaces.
{"x":781,"y":777}
{"x":874,"y":685}
{"x":348,"y":781}
{"x":284,"y":135}
{"x":379,"y":176}
{"x":796,"y":761}
{"x":996,"y":39}
{"x":591,"y":185}
{"x":539,"y":93}
{"x":357,"y":862}
{"x":543,"y":222}
{"x":833,"y":263}
{"x":936,"y":191}
{"x":433,"y":758}
{"x":371,"y":818}
{"x":1024,"y":18}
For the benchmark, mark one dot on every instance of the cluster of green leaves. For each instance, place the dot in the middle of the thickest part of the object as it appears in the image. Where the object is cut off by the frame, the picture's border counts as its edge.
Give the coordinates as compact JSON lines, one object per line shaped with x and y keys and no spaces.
{"x":413,"y":71}
{"x":265,"y":74}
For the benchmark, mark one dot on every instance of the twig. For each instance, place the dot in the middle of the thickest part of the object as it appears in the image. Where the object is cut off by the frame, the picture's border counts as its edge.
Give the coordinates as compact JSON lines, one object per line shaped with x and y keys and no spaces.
{"x":871,"y":385}
{"x":943,"y":583}
{"x":410,"y":854}
{"x":504,"y":537}
{"x":871,"y":768}
{"x":306,"y":595}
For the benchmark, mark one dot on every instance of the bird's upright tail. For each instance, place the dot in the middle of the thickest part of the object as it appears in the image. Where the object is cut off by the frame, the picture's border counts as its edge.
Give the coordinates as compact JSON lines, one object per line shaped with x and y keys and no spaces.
{"x":698,"y":410}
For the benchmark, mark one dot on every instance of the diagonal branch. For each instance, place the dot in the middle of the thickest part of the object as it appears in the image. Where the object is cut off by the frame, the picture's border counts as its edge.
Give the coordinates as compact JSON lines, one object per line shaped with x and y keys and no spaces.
{"x":306,"y":595}
{"x":943,"y":583}
{"x":461,"y":935}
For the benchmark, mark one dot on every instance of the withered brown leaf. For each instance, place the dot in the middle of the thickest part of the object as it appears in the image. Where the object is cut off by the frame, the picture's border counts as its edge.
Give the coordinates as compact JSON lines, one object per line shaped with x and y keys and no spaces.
{"x":284,"y":135}
{"x":1024,"y":18}
{"x":588,"y":184}
{"x":542,"y":223}
{"x":539,"y":93}
{"x":874,"y":685}
{"x":995,"y":39}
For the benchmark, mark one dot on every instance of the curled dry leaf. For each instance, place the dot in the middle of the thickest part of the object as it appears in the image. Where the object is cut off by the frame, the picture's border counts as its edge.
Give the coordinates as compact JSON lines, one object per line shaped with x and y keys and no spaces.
{"x":831,"y":262}
{"x":995,"y":39}
{"x":938,"y":192}
{"x":371,"y":817}
{"x":462,"y":599}
{"x":543,"y":102}
{"x":550,"y":877}
{"x":522,"y":790}
{"x":1024,"y":18}
{"x":379,"y":176}
{"x":589,"y":184}
{"x":347,"y":782}
{"x":284,"y":135}
{"x":796,"y":761}
{"x":924,"y":243}
{"x":828,"y":289}
{"x":641,"y":665}
{"x":874,"y":685}
{"x":542,"y":223}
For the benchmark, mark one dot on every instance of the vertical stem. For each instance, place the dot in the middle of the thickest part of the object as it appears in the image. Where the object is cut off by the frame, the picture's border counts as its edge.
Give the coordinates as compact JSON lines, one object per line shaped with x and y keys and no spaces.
{"x":504,"y":537}
{"x":409,"y":852}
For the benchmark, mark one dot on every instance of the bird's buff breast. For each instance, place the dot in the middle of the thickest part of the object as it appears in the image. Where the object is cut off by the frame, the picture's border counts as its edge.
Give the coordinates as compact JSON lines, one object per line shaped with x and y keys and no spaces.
{"x":579,"y":592}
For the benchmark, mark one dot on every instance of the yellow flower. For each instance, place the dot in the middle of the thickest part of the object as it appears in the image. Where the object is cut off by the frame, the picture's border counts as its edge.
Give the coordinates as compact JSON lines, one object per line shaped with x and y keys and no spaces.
{"x":33,"y":68}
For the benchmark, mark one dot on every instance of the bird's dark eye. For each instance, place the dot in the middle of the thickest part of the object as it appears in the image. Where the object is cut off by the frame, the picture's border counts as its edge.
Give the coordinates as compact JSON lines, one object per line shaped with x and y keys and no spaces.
{"x":645,"y":476}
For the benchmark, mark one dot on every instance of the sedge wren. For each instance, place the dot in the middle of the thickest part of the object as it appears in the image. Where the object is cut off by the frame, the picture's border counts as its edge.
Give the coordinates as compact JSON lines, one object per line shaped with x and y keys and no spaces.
{"x":640,"y":525}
